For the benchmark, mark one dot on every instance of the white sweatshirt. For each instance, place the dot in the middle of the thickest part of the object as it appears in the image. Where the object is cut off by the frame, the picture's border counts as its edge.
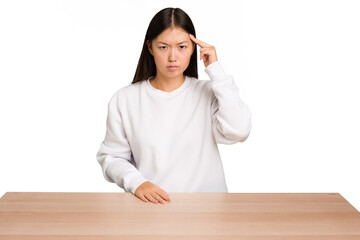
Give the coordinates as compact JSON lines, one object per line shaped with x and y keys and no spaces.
{"x":169,"y":138}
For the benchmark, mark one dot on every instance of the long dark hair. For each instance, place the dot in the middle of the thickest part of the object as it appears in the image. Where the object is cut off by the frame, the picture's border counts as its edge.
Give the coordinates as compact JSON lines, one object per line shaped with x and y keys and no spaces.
{"x":168,"y":17}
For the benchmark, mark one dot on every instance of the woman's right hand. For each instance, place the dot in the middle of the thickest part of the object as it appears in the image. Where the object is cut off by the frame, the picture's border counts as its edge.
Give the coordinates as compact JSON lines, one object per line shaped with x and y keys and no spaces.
{"x":148,"y":191}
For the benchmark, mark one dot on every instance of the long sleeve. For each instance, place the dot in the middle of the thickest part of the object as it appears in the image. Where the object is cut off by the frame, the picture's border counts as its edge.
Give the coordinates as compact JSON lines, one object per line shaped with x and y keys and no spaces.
{"x":231,"y":117}
{"x":114,"y":155}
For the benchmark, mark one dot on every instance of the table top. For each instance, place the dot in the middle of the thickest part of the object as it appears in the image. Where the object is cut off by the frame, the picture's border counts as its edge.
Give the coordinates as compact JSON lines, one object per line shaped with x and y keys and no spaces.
{"x":85,"y":215}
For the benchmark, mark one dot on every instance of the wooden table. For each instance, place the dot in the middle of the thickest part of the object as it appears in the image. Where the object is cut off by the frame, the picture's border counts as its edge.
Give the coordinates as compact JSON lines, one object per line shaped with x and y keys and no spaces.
{"x":280,"y":216}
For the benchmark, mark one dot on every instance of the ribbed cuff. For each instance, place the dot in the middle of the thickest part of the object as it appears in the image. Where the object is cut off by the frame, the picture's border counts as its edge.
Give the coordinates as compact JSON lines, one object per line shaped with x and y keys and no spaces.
{"x":125,"y":176}
{"x":215,"y":70}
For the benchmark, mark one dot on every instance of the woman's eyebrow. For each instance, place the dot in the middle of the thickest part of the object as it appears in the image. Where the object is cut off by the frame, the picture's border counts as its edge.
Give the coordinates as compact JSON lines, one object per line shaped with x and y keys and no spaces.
{"x":178,"y":43}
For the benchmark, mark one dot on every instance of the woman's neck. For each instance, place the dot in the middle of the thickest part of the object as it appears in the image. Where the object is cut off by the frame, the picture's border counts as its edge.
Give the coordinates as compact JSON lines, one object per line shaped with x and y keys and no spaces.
{"x":167,"y":84}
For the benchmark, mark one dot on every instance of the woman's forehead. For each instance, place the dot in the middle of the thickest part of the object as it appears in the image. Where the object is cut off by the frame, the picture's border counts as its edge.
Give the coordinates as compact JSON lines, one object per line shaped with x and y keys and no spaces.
{"x":173,"y":36}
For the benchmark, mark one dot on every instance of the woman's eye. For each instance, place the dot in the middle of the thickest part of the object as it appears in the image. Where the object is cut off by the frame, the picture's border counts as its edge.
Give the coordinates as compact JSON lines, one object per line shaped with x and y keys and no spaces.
{"x":164,"y":47}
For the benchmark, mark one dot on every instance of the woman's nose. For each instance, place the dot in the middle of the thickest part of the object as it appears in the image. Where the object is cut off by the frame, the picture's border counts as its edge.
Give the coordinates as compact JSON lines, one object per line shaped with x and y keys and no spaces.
{"x":172,"y":55}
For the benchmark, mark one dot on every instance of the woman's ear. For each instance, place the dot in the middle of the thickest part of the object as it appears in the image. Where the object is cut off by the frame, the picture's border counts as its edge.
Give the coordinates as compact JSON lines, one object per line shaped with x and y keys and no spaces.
{"x":149,"y":47}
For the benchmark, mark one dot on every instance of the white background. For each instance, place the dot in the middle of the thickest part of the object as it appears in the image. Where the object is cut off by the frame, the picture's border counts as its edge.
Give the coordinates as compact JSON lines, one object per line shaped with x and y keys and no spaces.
{"x":296,"y":64}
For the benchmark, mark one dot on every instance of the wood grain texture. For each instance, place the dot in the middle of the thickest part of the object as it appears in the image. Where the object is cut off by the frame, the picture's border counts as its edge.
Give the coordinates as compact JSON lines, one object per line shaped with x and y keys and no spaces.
{"x":280,"y":216}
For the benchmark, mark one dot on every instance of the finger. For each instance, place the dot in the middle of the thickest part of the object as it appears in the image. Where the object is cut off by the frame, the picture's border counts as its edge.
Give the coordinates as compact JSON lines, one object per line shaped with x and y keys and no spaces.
{"x":198,"y":42}
{"x":161,"y":191}
{"x":164,"y":195}
{"x":203,"y":57}
{"x":142,"y":197}
{"x":167,"y":197}
{"x":157,"y":197}
{"x":211,"y":48}
{"x":150,"y":197}
{"x":207,"y":52}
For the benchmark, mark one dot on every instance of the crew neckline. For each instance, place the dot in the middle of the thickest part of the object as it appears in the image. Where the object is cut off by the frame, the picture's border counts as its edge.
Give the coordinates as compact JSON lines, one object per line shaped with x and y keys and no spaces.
{"x":168,"y":94}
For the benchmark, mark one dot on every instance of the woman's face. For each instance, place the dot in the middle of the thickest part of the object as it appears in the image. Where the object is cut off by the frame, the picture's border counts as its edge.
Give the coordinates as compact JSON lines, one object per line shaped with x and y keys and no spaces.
{"x":173,"y":47}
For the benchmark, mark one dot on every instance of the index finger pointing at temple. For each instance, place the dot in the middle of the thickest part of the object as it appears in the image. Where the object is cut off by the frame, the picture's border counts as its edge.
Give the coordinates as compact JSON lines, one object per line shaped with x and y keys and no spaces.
{"x":197,"y":41}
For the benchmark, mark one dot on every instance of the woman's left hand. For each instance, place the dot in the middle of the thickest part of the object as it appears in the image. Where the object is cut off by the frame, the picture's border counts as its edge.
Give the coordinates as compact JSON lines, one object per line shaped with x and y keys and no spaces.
{"x":207,"y":52}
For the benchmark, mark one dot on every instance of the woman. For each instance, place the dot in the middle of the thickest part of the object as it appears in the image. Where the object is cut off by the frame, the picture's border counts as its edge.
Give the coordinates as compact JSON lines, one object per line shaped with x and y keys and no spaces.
{"x":163,"y":129}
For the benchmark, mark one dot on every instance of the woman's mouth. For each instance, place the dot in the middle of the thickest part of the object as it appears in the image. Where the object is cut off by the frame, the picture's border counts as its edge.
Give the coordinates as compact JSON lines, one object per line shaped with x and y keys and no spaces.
{"x":172,"y":67}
